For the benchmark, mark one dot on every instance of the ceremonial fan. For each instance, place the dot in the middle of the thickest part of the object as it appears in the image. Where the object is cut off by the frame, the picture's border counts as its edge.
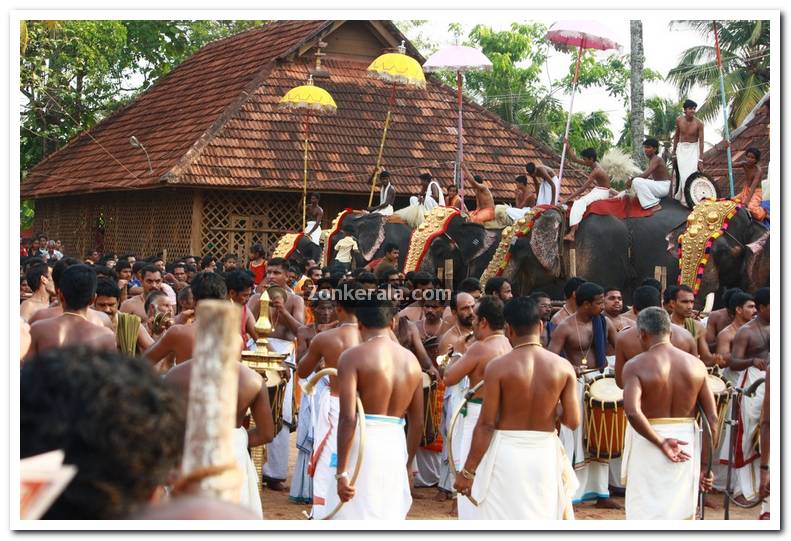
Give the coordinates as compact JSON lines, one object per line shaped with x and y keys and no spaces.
{"x":395,"y":68}
{"x":307,"y":99}
{"x":583,"y":35}
{"x":459,"y":59}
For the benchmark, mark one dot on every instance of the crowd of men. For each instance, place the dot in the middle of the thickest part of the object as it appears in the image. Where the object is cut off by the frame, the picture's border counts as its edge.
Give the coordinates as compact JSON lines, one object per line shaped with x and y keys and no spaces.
{"x":100,"y":335}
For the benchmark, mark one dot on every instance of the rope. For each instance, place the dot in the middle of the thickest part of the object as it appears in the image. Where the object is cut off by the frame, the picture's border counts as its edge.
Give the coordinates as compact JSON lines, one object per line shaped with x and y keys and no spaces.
{"x":467,"y":396}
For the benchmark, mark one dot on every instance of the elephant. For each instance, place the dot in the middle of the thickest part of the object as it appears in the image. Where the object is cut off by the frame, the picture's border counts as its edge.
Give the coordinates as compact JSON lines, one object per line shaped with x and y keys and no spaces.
{"x":621,"y":253}
{"x":305,"y":249}
{"x":537,"y":258}
{"x":738,"y":258}
{"x":373,"y":232}
{"x":470,"y":246}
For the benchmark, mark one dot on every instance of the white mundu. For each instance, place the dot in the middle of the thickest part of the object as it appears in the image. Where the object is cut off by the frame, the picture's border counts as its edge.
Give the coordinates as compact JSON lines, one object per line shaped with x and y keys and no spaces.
{"x":580,"y":205}
{"x":524,"y":475}
{"x":382,"y":488}
{"x":544,"y":196}
{"x":467,"y":510}
{"x":687,"y":156}
{"x":388,"y":210}
{"x":650,"y":191}
{"x":250,"y":497}
{"x":325,"y":451}
{"x":316,"y":235}
{"x":656,"y":488}
{"x":428,"y":200}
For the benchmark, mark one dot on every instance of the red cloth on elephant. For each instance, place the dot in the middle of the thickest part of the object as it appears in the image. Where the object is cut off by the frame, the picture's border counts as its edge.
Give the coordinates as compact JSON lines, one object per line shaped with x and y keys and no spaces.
{"x":620,"y":207}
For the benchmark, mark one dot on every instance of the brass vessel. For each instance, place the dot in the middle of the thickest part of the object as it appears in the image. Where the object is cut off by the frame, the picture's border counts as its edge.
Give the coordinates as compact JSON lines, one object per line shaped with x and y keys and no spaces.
{"x":262,"y":359}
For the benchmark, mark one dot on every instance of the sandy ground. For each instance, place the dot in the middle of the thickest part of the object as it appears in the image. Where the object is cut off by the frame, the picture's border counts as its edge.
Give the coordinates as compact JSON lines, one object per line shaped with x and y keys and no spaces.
{"x":277,"y":506}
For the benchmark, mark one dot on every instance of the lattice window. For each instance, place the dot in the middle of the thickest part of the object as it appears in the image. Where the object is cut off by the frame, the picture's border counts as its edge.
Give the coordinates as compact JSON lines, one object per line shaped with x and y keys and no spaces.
{"x":234,"y":221}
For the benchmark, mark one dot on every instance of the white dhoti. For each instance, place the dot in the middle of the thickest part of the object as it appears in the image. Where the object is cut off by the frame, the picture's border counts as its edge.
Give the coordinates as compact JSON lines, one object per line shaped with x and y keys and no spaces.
{"x":516,"y":213}
{"x":382,"y":488}
{"x":249,"y":498}
{"x":454,"y":394}
{"x":427,"y":467}
{"x":316,"y":235}
{"x":301,"y":483}
{"x":656,"y":488}
{"x":386,"y":211}
{"x":544,"y":196}
{"x":468,"y":511}
{"x":592,"y":474}
{"x":524,"y":474}
{"x":580,"y":205}
{"x":276,"y":466}
{"x":746,"y":473}
{"x":325,"y":455}
{"x":687,"y":156}
{"x":650,"y":191}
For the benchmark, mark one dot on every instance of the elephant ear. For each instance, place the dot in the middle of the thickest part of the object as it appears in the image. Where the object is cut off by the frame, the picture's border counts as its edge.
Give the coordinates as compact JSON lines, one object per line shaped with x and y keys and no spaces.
{"x":545,"y":242}
{"x":370,"y":233}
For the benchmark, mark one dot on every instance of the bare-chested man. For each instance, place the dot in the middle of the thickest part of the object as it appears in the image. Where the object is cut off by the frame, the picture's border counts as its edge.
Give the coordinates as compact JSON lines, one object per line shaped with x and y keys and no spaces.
{"x":516,"y":467}
{"x":76,"y":292}
{"x":314,"y":215}
{"x":490,"y":343}
{"x":627,"y":343}
{"x":387,"y":379}
{"x":468,"y":285}
{"x":484,"y":201}
{"x":751,"y":194}
{"x":240,"y":284}
{"x":613,"y":309}
{"x":687,"y":146}
{"x":582,"y":339}
{"x":462,"y":306}
{"x":287,"y":315}
{"x":662,"y":454}
{"x":750,"y":359}
{"x":570,"y":306}
{"x":107,"y":301}
{"x":544,"y":303}
{"x":151,"y":279}
{"x":743,"y":307}
{"x":39,"y":278}
{"x":499,"y":287}
{"x":252,"y":396}
{"x":546,"y":185}
{"x":522,"y":197}
{"x":55,"y":309}
{"x":323,"y":352}
{"x":421,"y":281}
{"x":680,"y":301}
{"x":596,"y":187}
{"x":177,"y":342}
{"x":719,"y":319}
{"x":653,"y":184}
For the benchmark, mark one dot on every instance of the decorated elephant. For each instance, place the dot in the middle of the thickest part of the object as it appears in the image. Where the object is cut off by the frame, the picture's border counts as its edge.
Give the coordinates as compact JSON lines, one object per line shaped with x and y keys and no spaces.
{"x":723,"y":247}
{"x":297,"y":248}
{"x":530,"y":253}
{"x":373,"y":231}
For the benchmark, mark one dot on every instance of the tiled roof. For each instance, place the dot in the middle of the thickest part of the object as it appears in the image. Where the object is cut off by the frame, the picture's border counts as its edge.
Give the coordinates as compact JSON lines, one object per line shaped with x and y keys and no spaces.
{"x":754,"y":132}
{"x":214,"y":122}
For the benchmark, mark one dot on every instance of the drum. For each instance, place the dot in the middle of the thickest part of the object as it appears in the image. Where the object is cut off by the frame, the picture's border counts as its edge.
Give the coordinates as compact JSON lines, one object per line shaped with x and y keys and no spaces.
{"x":430,"y":417}
{"x":276,"y":387}
{"x":605,"y":420}
{"x":720,"y":387}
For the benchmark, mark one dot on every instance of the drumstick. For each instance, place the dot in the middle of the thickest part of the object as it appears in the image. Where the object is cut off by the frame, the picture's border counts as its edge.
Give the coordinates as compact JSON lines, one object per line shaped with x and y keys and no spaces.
{"x":209,"y":465}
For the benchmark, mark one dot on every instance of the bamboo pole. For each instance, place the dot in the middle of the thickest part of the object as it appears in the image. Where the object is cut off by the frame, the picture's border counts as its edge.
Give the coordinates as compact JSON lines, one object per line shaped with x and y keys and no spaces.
{"x":305,"y":177}
{"x":572,"y":262}
{"x":390,"y":103}
{"x":726,"y":130}
{"x":208,"y":464}
{"x":568,"y":119}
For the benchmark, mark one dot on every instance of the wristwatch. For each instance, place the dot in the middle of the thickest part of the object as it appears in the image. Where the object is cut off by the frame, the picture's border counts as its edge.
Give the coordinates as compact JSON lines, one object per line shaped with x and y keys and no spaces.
{"x":467,"y":475}
{"x":342,"y":474}
{"x":765,"y":467}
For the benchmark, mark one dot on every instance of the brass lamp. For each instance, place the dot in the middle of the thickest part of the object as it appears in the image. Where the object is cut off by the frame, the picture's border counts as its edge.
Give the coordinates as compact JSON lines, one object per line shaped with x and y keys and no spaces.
{"x":262,"y":359}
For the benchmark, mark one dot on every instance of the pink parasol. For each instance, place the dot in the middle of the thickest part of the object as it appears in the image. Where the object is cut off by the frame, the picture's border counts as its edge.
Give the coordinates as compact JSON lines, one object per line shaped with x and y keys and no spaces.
{"x":458,"y":58}
{"x":582,"y":35}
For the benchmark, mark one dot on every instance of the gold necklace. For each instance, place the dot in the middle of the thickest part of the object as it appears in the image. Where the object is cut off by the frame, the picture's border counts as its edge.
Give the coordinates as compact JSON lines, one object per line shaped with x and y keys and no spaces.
{"x":525,"y":344}
{"x":495,"y":335}
{"x":65,"y":313}
{"x":663,"y":342}
{"x":377,"y":336}
{"x":584,"y":360}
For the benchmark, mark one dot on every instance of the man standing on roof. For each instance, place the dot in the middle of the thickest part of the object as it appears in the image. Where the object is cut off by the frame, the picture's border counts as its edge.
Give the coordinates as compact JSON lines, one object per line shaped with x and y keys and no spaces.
{"x":386,"y":193}
{"x":687,"y":146}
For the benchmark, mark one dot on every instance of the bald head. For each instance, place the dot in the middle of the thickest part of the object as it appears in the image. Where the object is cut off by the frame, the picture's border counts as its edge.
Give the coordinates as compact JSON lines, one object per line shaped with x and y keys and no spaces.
{"x":463,"y":305}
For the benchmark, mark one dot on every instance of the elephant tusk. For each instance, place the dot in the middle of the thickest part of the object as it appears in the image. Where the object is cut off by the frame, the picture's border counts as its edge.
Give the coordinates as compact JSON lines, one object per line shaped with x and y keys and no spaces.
{"x":309,"y":389}
{"x":469,"y":394}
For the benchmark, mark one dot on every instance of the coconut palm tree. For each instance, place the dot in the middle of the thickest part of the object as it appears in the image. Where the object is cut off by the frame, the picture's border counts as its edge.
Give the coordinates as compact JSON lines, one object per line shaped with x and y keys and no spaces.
{"x":744,"y":47}
{"x":637,"y":116}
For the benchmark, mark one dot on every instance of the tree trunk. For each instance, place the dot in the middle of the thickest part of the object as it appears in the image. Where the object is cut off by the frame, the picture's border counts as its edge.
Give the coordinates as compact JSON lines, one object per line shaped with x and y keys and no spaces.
{"x":637,"y":108}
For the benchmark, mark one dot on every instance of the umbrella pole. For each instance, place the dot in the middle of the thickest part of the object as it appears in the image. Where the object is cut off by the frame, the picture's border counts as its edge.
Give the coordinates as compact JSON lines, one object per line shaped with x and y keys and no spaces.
{"x":724,"y":109}
{"x":390,"y":103}
{"x":571,"y":108}
{"x":460,"y":146}
{"x":305,"y":178}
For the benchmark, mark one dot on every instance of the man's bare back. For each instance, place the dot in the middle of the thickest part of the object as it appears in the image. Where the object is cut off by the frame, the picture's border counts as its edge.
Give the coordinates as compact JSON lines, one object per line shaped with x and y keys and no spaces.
{"x":69,"y":329}
{"x":627,"y":346}
{"x":94,"y":316}
{"x":326,"y":348}
{"x":718,"y":320}
{"x":176,"y":344}
{"x":474,"y":361}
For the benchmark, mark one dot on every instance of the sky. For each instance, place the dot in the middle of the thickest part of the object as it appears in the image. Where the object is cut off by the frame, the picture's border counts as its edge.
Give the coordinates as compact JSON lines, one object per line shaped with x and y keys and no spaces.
{"x":662,"y":48}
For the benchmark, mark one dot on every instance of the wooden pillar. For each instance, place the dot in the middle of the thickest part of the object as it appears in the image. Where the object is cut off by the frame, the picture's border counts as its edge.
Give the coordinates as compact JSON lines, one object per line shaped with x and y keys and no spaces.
{"x":660,"y":274}
{"x":196,"y":229}
{"x":572,"y":262}
{"x":449,"y":274}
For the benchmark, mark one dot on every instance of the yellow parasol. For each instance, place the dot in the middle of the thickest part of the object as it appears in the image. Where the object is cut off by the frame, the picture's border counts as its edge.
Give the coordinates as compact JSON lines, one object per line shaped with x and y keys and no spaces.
{"x":307,"y":99}
{"x":396,"y":68}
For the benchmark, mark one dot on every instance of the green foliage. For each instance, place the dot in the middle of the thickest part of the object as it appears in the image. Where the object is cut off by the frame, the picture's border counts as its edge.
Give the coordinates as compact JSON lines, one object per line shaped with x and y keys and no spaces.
{"x":745,"y":53}
{"x":74,"y":73}
{"x":26,"y":214}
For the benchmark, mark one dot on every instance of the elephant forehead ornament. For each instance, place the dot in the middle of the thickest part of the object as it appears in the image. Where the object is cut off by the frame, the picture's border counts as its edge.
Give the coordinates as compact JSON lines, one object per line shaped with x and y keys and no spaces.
{"x":435,"y":224}
{"x":707,"y":222}
{"x":286,"y":245}
{"x":509,"y":237}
